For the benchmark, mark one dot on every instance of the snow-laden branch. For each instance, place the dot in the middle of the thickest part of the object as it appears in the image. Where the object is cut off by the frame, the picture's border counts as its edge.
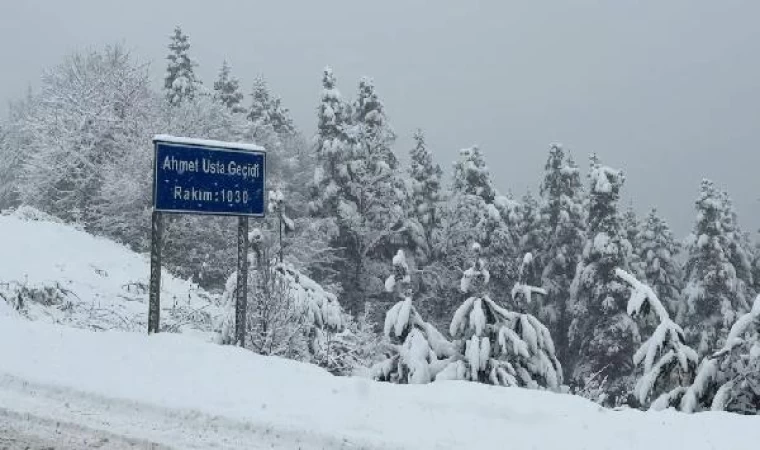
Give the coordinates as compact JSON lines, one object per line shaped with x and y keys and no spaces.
{"x":641,"y":296}
{"x":665,"y":356}
{"x":709,"y":375}
{"x":738,"y":329}
{"x":526,"y":291}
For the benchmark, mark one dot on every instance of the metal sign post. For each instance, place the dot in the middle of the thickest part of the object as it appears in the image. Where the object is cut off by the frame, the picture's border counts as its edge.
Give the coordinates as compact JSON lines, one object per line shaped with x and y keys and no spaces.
{"x":241,"y":304}
{"x":154,"y":306}
{"x":194,"y":176}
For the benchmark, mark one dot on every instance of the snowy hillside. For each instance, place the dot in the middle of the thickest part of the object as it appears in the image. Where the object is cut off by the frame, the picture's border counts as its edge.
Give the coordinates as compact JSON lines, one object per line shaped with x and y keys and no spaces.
{"x":174,"y":390}
{"x":64,"y":275}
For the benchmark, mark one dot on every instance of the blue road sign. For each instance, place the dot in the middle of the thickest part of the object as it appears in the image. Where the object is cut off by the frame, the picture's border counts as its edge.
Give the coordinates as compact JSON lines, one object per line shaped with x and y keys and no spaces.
{"x":208,"y":177}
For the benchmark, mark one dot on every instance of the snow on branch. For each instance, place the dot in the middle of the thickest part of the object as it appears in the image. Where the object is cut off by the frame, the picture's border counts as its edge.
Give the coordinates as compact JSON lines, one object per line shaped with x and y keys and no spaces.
{"x":526,"y":291}
{"x":738,"y":329}
{"x":521,"y":288}
{"x":710,"y":375}
{"x":642,"y":297}
{"x":665,"y":355}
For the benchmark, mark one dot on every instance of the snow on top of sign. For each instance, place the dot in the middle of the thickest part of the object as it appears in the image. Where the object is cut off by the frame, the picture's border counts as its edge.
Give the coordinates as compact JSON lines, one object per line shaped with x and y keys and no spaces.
{"x":208,"y":142}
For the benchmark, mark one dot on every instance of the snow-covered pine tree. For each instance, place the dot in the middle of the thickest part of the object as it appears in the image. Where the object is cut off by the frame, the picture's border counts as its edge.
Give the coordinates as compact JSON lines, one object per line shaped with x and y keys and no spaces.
{"x":658,"y":252}
{"x":498,"y":346}
{"x":260,"y":101}
{"x":564,"y":219}
{"x":476,"y":212}
{"x":713,"y":295}
{"x":332,"y":148}
{"x":267,"y":111}
{"x":373,"y":135}
{"x":180,"y":82}
{"x":739,"y":250}
{"x":419,"y":349}
{"x":632,"y":227}
{"x":282,"y":122}
{"x":227,"y":89}
{"x":601,"y":333}
{"x":370,"y":210}
{"x":532,"y":239}
{"x":668,"y":364}
{"x":729,"y":379}
{"x":425,"y":195}
{"x":530,"y":229}
{"x":471,"y":175}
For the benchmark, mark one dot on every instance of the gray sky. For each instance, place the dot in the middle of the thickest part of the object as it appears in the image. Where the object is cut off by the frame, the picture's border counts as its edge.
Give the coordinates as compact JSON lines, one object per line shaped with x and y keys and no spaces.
{"x":667,"y":90}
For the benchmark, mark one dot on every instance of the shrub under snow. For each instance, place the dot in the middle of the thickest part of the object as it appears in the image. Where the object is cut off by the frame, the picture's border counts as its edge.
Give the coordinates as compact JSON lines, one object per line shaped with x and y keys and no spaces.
{"x":287,"y":312}
{"x":417,"y":345}
{"x":499,"y":347}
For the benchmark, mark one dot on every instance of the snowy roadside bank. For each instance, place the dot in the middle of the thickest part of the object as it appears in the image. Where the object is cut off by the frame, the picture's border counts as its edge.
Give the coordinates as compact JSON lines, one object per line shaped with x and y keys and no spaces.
{"x":64,"y":275}
{"x":166,"y":387}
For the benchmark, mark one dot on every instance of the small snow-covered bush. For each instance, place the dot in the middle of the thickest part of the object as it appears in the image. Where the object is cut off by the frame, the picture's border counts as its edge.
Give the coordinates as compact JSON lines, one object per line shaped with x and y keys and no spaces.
{"x":498,"y":346}
{"x":287,"y":312}
{"x":418,"y":350}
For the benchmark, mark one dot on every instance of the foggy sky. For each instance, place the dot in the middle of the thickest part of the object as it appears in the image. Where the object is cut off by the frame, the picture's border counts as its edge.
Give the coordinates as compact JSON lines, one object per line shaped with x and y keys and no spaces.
{"x":669,"y":91}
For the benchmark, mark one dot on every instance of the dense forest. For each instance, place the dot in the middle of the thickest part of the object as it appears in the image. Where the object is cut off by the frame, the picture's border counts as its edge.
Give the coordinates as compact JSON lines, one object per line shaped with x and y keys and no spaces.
{"x":416,"y":274}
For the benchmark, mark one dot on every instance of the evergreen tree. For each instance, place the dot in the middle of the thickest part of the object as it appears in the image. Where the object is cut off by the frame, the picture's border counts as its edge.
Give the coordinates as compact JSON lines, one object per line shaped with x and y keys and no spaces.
{"x":532,"y":238}
{"x":668,"y":364}
{"x":728,"y":380}
{"x":280,"y":117}
{"x":370,"y":213}
{"x":601,"y":333}
{"x":425,"y":194}
{"x":472,"y":177}
{"x":332,"y":147}
{"x":267,"y":110}
{"x":658,"y":252}
{"x":478,"y":213}
{"x":714,"y":295}
{"x":531,"y":230}
{"x":419,"y":349}
{"x":498,"y":346}
{"x":372,"y":134}
{"x":739,"y":251}
{"x":227,"y":89}
{"x":260,"y":101}
{"x":632,"y":228}
{"x":563,"y":219}
{"x":180,"y":82}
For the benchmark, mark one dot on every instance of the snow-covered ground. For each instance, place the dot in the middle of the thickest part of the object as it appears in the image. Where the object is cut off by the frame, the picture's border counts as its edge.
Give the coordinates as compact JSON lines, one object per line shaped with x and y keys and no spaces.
{"x":179,"y":391}
{"x":80,"y":388}
{"x":89,"y":282}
